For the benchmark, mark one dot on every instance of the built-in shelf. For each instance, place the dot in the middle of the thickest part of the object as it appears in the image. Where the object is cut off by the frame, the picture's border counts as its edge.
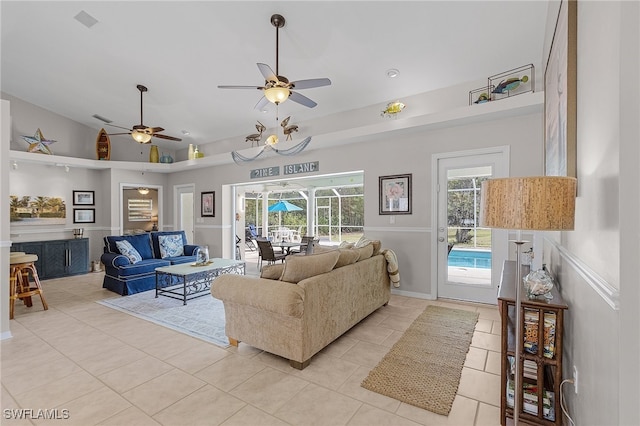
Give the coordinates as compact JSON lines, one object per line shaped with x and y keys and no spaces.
{"x":510,"y":107}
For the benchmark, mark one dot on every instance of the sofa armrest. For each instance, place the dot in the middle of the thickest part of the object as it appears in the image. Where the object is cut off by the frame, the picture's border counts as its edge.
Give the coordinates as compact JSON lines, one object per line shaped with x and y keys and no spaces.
{"x":190,"y":249}
{"x":270,"y":295}
{"x":114,"y":260}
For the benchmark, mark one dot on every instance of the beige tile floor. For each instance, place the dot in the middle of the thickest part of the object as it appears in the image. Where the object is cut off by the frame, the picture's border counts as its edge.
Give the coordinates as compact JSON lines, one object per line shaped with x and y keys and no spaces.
{"x":109,"y":368}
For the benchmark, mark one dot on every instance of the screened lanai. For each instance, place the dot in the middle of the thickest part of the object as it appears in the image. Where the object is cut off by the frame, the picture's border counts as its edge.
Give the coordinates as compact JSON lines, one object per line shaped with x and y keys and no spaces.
{"x":331,"y":208}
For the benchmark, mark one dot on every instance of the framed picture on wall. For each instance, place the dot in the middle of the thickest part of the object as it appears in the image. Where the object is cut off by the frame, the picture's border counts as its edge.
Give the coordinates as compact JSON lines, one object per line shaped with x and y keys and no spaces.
{"x":395,"y":194}
{"x":84,"y":198}
{"x":84,"y":215}
{"x":560,"y":88}
{"x":208,"y":204}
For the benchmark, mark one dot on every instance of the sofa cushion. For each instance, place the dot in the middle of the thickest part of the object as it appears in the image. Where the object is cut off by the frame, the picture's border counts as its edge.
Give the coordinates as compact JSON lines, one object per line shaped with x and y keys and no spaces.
{"x":127,"y":250}
{"x":170,"y":246}
{"x":347,"y":257}
{"x":298,"y":268}
{"x":364,"y":252}
{"x":272,"y":272}
{"x":145,"y":267}
{"x":140,"y":242}
{"x":363,"y":241}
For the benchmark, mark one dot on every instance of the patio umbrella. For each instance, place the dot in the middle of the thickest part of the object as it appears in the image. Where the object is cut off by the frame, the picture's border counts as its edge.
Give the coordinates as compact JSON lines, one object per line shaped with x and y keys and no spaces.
{"x":283,"y":206}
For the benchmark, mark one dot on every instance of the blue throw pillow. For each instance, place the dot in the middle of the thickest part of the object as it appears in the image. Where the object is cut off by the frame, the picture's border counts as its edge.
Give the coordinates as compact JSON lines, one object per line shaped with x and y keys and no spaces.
{"x":170,"y":245}
{"x":126,"y":249}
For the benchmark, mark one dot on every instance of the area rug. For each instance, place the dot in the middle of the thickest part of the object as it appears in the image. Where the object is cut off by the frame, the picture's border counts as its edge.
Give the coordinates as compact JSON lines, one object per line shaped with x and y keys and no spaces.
{"x":424,"y":367}
{"x":202,"y":318}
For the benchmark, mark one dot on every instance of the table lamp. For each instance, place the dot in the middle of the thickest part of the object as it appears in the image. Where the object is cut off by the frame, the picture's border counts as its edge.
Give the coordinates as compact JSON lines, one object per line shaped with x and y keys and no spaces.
{"x":537,"y":203}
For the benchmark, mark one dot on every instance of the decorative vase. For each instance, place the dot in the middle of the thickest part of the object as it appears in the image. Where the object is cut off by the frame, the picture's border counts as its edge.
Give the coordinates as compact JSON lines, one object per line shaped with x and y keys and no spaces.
{"x":196,"y":153}
{"x":203,"y":255}
{"x":191,"y":151}
{"x":167,"y":159}
{"x":154,"y":157}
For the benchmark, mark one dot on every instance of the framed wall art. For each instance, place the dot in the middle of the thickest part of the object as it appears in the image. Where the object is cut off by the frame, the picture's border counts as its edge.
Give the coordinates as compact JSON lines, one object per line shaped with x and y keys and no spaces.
{"x":84,"y":198}
{"x":395,"y":194}
{"x":208,"y":204}
{"x":560,"y":88}
{"x":84,"y":215}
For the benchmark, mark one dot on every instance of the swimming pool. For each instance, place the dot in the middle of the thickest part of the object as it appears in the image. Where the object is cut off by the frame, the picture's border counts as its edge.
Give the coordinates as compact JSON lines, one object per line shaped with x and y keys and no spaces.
{"x":470,"y":258}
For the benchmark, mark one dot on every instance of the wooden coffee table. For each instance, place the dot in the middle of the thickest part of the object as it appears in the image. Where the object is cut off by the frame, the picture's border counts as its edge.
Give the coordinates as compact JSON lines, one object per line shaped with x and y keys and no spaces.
{"x":187,"y":281}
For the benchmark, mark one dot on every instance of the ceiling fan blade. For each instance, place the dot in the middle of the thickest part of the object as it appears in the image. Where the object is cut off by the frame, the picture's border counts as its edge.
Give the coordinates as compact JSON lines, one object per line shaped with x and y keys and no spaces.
{"x":262,"y":103}
{"x":171,"y":138}
{"x":119,"y":127}
{"x":240,"y":87}
{"x":267,"y":72}
{"x":311,"y":83}
{"x":155,"y":129}
{"x":302,"y":100}
{"x":118,"y":134}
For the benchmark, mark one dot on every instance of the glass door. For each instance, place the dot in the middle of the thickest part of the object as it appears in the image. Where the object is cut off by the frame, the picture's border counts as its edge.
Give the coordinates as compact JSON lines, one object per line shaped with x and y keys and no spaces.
{"x":467,"y":269}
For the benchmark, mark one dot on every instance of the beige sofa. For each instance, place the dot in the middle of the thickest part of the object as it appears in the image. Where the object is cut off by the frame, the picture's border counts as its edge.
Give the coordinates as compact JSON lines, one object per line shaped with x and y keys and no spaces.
{"x":306,"y":303}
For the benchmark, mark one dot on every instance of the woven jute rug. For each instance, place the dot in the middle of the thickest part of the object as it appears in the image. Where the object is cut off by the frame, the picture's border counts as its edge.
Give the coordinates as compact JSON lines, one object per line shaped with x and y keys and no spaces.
{"x":424,"y":367}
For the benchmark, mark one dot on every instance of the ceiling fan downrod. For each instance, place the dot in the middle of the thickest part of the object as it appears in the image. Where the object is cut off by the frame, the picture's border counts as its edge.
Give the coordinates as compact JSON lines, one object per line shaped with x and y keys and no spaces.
{"x":142,"y":89}
{"x":277,"y":21}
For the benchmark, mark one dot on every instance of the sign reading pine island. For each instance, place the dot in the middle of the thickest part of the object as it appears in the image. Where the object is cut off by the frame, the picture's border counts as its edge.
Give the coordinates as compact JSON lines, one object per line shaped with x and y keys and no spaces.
{"x":289,"y":169}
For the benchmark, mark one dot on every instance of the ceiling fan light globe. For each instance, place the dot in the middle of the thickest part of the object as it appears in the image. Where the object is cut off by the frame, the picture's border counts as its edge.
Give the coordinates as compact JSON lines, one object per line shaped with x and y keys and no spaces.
{"x":141,"y":137}
{"x":277,"y":95}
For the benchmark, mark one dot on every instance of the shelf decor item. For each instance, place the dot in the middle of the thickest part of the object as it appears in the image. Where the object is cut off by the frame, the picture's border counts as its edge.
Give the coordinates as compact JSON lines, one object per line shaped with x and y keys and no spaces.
{"x":37,"y":143}
{"x":480,"y":95}
{"x":154,"y":157}
{"x":538,"y":203}
{"x":103,"y":145}
{"x":394,"y":194}
{"x":513,"y":82}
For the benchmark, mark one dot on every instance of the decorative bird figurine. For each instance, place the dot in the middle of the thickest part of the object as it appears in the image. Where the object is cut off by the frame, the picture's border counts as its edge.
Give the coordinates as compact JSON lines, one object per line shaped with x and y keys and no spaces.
{"x":255,"y":137}
{"x":510,"y":84}
{"x":392,"y":109}
{"x":287,"y":130}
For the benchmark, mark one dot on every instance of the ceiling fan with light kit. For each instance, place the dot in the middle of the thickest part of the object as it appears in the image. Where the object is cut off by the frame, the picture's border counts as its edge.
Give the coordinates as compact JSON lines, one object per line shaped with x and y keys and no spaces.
{"x":139,"y":132}
{"x":278,"y":88}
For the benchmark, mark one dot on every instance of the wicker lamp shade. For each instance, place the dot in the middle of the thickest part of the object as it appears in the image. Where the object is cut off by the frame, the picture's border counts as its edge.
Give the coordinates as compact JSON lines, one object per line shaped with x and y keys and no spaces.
{"x":542,"y":203}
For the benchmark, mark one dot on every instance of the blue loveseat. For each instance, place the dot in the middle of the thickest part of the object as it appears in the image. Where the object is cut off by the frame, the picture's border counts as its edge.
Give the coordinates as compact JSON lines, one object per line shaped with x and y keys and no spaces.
{"x":125,"y":277}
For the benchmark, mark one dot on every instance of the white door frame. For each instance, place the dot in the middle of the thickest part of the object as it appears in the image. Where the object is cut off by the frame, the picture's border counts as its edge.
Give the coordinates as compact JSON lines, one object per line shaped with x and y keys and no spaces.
{"x":138,"y":185}
{"x":177,"y":190}
{"x":499,"y":237}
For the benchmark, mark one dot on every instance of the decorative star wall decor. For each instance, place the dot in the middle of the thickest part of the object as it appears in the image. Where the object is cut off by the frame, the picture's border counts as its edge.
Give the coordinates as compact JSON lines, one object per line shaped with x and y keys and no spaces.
{"x":37,"y":143}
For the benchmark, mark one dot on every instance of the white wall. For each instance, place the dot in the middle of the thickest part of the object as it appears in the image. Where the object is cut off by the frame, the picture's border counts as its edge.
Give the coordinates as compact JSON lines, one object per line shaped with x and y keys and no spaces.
{"x":596,"y":264}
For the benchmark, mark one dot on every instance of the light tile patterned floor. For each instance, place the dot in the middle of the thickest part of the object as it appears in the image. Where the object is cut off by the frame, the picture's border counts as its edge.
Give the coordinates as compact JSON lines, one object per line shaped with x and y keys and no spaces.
{"x":109,"y":368}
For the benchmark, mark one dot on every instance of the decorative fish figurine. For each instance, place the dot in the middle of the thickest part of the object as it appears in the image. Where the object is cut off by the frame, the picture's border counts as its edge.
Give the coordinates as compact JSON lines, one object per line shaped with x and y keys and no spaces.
{"x":510,"y":84}
{"x":482,"y":99}
{"x":392,"y":109}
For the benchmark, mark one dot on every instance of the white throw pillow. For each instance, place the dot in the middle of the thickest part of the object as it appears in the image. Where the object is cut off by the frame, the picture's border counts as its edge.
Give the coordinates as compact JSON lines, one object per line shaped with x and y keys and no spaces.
{"x":126,"y":249}
{"x":170,"y":246}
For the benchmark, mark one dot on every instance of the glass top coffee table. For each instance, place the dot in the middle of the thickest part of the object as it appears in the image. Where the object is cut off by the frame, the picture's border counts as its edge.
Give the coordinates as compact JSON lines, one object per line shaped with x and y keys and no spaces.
{"x":187,"y":281}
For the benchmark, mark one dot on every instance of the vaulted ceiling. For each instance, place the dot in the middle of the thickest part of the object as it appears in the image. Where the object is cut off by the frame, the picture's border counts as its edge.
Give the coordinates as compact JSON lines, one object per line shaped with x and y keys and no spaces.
{"x":181,"y":51}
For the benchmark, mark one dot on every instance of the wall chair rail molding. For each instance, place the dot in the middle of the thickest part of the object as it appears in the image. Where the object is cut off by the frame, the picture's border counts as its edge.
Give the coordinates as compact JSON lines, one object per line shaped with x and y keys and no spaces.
{"x":605,"y":290}
{"x":419,"y":229}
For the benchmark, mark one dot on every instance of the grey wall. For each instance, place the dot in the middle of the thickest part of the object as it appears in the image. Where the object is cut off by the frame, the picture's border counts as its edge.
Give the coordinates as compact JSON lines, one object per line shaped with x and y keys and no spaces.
{"x":596,"y":264}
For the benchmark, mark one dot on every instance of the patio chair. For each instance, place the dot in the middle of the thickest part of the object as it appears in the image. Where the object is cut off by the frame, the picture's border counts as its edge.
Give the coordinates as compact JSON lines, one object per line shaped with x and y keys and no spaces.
{"x":248,"y":240}
{"x":304,"y":243}
{"x":267,"y":254}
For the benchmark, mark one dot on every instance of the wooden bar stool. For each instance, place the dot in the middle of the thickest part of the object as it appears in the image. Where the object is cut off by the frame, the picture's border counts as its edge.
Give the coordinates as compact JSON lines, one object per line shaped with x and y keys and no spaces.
{"x":23,"y":266}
